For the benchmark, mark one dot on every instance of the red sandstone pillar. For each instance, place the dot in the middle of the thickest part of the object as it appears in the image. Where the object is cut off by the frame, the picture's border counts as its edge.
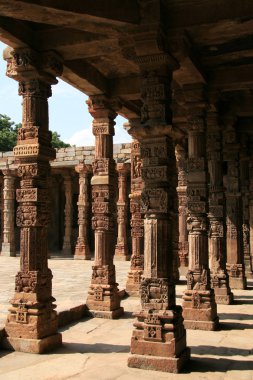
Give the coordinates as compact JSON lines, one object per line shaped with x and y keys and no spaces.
{"x":82,"y":249}
{"x":217,"y":240}
{"x":181,"y":157}
{"x":103,"y":299}
{"x":245,"y":191}
{"x":235,"y":263}
{"x":121,"y":249}
{"x":32,"y":321}
{"x":159,"y":340}
{"x":251,"y":202}
{"x":8,"y":243}
{"x":67,"y":249}
{"x":199,"y":307}
{"x":137,"y":223}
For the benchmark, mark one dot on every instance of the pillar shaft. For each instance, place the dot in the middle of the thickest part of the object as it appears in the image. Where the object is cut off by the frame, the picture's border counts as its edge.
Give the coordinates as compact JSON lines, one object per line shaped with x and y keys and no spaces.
{"x":121,"y":249}
{"x":159,"y":340}
{"x":8,"y":243}
{"x":137,"y":223}
{"x":67,"y":249}
{"x":199,"y":307}
{"x":217,"y":240}
{"x":82,"y":250}
{"x":235,"y":262}
{"x":245,"y":191}
{"x":181,"y":156}
{"x":103,"y":299}
{"x":32,"y":321}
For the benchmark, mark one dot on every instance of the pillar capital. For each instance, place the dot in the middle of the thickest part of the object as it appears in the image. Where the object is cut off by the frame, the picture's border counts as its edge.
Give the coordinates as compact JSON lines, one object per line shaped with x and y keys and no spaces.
{"x":123,"y":168}
{"x":83,"y":169}
{"x":24,"y":64}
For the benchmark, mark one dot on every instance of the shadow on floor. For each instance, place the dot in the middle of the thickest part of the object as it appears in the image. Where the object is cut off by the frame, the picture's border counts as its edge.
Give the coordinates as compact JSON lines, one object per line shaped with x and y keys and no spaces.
{"x":217,"y":365}
{"x":220,"y":351}
{"x":235,"y":326}
{"x":236,"y":316}
{"x":96,"y":348}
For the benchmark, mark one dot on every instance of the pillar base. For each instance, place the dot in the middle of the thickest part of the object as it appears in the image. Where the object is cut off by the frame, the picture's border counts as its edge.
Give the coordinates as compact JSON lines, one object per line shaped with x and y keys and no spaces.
{"x":133,"y":282}
{"x":236,"y":273}
{"x":173,"y":365}
{"x":121,"y":253}
{"x":82,"y":252}
{"x":114,"y":314}
{"x":248,"y":267}
{"x":33,"y":346}
{"x":159,"y":341}
{"x":7,"y":250}
{"x":200,"y":310}
{"x":222,"y":291}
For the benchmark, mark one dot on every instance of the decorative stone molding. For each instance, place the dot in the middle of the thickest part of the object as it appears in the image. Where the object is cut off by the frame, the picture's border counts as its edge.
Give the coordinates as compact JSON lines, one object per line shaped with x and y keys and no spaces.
{"x":103,"y":299}
{"x":121,"y":249}
{"x":159,"y":324}
{"x":199,"y":307}
{"x":82,"y":250}
{"x":217,"y":242}
{"x":235,"y":264}
{"x":32,"y":321}
{"x":67,"y":248}
{"x":137,"y":223}
{"x":8,"y":243}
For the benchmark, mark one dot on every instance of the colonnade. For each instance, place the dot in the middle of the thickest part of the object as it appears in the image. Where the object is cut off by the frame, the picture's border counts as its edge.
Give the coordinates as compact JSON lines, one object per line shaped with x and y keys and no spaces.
{"x":206,"y":170}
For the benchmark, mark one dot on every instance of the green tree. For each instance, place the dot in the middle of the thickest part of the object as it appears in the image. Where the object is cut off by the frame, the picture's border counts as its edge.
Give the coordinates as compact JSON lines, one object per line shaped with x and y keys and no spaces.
{"x":57,"y":142}
{"x":8,"y":135}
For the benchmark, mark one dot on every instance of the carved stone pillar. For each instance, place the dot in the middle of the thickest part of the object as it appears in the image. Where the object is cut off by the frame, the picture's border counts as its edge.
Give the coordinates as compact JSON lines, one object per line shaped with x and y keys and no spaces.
{"x":245,"y":191}
{"x":159,"y":340}
{"x":121,"y":249}
{"x":82,"y":249}
{"x":137,"y":223}
{"x":217,"y":240}
{"x":251,"y":201}
{"x":103,"y":299}
{"x":181,"y":157}
{"x":66,"y":249}
{"x":235,"y":263}
{"x":199,"y":307}
{"x":8,"y":243}
{"x":32,"y":321}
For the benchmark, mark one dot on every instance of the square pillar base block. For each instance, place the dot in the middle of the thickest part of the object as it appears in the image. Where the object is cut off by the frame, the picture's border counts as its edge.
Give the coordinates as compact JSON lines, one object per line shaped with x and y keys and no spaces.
{"x":111,"y":314}
{"x":223,"y":299}
{"x":202,"y":325}
{"x":154,"y":363}
{"x":237,"y":282}
{"x":33,"y":346}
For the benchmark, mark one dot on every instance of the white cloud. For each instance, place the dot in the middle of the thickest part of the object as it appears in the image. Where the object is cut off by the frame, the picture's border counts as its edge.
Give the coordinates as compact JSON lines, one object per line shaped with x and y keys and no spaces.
{"x":84,"y":137}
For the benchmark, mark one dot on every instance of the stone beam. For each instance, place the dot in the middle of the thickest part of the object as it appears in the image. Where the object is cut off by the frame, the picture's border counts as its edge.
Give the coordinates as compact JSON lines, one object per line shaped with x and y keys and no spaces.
{"x":85,"y":77}
{"x":128,"y":87}
{"x":182,"y":14}
{"x":63,"y":14}
{"x":15,"y":34}
{"x":232,"y":78}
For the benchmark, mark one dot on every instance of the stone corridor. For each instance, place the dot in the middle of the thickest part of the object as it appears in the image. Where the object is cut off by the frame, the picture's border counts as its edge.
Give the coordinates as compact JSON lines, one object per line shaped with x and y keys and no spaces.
{"x":98,"y":348}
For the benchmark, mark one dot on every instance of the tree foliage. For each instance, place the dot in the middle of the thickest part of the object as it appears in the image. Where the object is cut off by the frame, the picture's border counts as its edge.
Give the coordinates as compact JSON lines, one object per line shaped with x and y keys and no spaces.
{"x":8,"y":135}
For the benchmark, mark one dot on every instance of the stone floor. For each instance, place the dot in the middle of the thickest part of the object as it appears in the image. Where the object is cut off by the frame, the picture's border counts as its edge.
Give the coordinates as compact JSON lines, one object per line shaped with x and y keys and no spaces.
{"x":98,"y":349}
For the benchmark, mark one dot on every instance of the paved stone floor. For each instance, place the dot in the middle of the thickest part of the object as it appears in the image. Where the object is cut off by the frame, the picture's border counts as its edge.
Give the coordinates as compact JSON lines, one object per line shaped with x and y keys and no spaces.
{"x":98,"y":349}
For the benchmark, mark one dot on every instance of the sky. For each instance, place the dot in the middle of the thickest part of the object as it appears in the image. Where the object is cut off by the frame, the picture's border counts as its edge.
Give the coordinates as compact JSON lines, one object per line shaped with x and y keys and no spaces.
{"x":68,"y":113}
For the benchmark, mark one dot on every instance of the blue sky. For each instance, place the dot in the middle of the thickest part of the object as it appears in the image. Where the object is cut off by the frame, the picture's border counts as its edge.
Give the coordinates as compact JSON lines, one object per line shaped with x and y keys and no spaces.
{"x":68,"y":114}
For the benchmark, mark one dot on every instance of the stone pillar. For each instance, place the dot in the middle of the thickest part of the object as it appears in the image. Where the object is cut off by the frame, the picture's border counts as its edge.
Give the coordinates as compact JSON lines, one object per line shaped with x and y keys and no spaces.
{"x":235,"y":263}
{"x":217,"y":239}
{"x":181,"y":157}
{"x":159,"y":340}
{"x":32,"y":321}
{"x":103,"y":299}
{"x":121,"y":249}
{"x":82,"y":249}
{"x":8,"y":243}
{"x":137,"y":223}
{"x":245,"y":191}
{"x":199,"y":307}
{"x":67,"y":249}
{"x":251,"y":201}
